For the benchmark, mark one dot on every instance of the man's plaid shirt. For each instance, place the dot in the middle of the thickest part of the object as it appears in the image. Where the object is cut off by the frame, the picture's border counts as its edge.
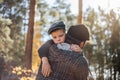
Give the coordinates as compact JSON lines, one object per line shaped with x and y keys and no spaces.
{"x":72,"y":66}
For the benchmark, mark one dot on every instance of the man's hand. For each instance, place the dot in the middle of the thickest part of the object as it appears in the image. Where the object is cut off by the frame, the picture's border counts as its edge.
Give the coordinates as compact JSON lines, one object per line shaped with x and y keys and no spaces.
{"x":76,"y":48}
{"x":46,"y":68}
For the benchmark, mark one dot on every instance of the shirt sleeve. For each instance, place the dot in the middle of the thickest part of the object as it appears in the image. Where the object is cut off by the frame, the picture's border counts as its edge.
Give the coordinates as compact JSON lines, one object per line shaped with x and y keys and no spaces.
{"x":43,"y":51}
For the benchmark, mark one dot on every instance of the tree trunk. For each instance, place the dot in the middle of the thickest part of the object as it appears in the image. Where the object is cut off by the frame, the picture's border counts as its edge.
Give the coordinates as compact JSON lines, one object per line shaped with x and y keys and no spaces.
{"x":29,"y":41}
{"x":80,"y":12}
{"x":114,"y":74}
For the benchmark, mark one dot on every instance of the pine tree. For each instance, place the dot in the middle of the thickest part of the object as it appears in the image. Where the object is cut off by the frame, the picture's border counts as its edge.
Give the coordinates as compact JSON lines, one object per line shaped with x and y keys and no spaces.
{"x":29,"y":41}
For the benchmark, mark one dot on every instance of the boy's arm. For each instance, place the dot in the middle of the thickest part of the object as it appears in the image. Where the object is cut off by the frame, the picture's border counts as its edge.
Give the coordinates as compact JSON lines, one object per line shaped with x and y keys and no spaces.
{"x":75,"y":48}
{"x":44,"y":49}
{"x":46,"y":67}
{"x":43,"y":53}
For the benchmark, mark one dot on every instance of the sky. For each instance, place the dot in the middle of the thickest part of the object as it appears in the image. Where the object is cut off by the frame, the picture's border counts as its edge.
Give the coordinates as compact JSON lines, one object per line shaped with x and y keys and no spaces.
{"x":104,"y":4}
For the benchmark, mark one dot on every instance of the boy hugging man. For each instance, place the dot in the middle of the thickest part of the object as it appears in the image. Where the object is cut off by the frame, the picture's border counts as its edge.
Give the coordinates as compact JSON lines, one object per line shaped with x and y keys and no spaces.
{"x":58,"y":33}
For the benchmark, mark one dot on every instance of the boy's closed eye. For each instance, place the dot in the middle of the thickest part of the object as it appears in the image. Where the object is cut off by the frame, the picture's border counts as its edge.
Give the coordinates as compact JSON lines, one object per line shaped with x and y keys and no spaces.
{"x":61,"y":35}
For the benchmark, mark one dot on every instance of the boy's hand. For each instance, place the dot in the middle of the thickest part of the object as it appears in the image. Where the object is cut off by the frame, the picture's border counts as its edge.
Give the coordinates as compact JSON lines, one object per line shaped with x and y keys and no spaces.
{"x":76,"y":48}
{"x":46,"y":68}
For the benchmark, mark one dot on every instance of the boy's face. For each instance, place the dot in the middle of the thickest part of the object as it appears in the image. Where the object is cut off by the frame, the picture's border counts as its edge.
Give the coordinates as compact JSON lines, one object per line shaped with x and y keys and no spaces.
{"x":58,"y":36}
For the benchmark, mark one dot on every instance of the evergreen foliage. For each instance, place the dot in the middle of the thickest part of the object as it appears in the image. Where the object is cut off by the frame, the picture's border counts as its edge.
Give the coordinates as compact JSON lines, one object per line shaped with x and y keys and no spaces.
{"x":104,"y":52}
{"x":16,"y":11}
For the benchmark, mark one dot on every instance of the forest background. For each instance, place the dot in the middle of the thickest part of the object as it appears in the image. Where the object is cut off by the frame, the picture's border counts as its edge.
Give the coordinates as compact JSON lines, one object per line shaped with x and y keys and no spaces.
{"x":24,"y":25}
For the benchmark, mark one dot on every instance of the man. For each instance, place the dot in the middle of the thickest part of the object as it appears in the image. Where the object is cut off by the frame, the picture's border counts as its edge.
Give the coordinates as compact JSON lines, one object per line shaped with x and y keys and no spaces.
{"x":72,"y":66}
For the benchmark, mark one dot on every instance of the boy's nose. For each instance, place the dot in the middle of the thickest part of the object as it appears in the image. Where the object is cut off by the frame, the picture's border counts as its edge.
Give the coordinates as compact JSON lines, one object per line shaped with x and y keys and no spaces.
{"x":58,"y":39}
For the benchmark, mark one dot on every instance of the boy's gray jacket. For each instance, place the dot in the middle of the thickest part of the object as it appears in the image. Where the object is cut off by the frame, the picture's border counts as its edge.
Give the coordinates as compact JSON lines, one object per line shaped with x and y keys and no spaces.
{"x":66,"y":65}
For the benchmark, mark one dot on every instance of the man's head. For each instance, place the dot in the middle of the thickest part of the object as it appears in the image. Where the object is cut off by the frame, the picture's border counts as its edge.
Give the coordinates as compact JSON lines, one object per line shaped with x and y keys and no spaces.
{"x":78,"y":34}
{"x":57,"y":31}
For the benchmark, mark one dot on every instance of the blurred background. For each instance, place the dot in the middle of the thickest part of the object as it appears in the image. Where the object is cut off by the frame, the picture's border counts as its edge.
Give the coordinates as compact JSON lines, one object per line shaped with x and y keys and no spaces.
{"x":24,"y":25}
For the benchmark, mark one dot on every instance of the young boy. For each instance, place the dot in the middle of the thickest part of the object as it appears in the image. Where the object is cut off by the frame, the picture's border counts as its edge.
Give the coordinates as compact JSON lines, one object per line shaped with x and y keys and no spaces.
{"x":57,"y":31}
